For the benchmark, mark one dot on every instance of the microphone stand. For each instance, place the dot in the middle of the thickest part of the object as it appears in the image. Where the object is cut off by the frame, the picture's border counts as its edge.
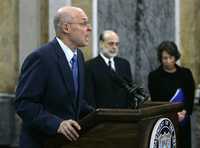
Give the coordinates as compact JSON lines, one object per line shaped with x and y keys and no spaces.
{"x":137,"y":95}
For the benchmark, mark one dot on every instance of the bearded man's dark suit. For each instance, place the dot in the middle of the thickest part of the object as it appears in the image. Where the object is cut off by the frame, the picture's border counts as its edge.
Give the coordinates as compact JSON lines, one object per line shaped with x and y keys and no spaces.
{"x":45,"y":94}
{"x":102,"y":91}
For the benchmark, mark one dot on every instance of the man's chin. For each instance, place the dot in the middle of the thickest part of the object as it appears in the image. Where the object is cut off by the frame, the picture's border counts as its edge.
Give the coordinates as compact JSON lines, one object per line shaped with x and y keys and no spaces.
{"x":83,"y":45}
{"x":113,"y":55}
{"x":86,"y":43}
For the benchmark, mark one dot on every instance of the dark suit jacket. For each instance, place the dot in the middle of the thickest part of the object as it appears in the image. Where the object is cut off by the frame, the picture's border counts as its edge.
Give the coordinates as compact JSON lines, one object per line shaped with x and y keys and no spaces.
{"x":45,"y":94}
{"x":101,"y":90}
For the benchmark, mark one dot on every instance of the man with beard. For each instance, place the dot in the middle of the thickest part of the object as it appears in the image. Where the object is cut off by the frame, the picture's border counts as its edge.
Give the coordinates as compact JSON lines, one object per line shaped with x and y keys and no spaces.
{"x":101,"y":90}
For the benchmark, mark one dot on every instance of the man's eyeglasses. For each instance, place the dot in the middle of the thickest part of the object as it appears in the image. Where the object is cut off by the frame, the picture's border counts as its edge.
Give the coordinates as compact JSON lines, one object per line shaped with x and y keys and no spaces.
{"x":84,"y":24}
{"x":113,"y":43}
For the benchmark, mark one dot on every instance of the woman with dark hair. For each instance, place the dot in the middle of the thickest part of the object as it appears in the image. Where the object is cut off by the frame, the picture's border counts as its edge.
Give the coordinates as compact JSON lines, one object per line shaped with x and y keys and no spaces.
{"x":167,"y":79}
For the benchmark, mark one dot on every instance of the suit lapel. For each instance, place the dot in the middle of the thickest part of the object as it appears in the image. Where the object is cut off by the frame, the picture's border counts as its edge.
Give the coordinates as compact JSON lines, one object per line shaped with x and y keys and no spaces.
{"x":81,"y":75}
{"x":103,"y":63}
{"x":64,"y":67}
{"x":105,"y":66}
{"x":66,"y":73}
{"x":80,"y":71}
{"x":117,"y":65}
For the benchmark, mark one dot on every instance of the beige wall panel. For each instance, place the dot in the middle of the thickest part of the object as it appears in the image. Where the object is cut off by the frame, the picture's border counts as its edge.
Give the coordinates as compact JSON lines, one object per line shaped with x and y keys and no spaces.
{"x":190,"y":36}
{"x":86,"y":5}
{"x":44,"y":19}
{"x":8,"y":45}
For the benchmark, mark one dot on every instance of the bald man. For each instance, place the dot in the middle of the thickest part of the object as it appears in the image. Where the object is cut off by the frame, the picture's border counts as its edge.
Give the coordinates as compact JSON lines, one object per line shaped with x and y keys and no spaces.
{"x":49,"y":95}
{"x":102,"y":91}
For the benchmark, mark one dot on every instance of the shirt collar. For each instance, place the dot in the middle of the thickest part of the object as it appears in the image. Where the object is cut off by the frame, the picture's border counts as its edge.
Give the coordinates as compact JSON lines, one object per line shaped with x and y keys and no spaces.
{"x":107,"y":59}
{"x":68,"y":52}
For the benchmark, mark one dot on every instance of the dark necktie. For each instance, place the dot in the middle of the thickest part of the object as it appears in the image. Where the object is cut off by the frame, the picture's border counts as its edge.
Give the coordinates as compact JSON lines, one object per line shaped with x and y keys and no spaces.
{"x":75,"y":72}
{"x":109,"y":64}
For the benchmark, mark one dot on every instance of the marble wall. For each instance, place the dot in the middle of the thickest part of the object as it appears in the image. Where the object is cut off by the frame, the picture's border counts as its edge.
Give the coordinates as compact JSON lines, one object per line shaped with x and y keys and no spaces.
{"x":142,"y":25}
{"x":9,"y":39}
{"x":86,"y":5}
{"x":8,"y":45}
{"x":190,"y":47}
{"x":190,"y":36}
{"x":53,"y":7}
{"x":33,"y":26}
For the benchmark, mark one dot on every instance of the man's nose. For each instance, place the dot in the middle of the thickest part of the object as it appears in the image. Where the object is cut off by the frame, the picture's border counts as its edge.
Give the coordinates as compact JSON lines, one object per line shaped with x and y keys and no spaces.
{"x":115,"y":45}
{"x":89,"y":28}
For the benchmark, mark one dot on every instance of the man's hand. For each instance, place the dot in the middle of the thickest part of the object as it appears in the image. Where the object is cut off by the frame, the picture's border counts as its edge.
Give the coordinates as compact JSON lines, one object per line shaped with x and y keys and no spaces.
{"x":69,"y":129}
{"x":181,"y":115}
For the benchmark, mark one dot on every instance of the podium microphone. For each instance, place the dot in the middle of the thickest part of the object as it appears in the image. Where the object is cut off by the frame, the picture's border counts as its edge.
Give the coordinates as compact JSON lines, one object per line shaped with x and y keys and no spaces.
{"x":137,"y":95}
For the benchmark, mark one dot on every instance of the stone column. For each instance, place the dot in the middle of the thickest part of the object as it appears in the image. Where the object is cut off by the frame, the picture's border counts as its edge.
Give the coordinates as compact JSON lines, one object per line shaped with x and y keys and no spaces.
{"x":190,"y":36}
{"x":86,"y":5}
{"x":33,"y":26}
{"x":29,"y":26}
{"x":8,"y":45}
{"x":53,"y":6}
{"x":8,"y":66}
{"x":190,"y":44}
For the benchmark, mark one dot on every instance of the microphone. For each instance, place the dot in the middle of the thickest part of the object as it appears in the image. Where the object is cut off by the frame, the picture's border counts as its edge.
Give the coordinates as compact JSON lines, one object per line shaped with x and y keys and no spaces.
{"x":136,"y":95}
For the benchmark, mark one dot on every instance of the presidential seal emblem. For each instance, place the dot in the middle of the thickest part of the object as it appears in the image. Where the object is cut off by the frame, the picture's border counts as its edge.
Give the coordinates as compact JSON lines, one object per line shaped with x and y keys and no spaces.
{"x":163,"y":134}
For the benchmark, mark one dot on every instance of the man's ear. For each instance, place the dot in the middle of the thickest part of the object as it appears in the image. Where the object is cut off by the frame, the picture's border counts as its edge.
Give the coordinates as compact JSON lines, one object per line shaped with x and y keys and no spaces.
{"x":66,"y":28}
{"x":101,"y":44}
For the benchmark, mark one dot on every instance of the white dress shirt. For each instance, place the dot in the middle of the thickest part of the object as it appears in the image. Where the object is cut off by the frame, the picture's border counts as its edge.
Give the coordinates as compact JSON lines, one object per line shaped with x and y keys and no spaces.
{"x":68,"y":52}
{"x":106,"y":60}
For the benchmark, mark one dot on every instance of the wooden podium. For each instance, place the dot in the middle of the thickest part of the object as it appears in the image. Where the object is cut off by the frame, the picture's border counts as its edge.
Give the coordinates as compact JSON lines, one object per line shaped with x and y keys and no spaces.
{"x":120,"y":128}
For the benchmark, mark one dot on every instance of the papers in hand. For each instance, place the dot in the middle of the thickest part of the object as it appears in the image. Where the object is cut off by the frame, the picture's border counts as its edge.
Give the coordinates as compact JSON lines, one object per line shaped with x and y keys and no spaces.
{"x":178,"y":96}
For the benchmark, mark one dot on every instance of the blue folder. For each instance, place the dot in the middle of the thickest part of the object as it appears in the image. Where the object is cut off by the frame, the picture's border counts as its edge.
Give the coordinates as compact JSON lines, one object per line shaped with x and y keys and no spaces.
{"x":178,"y":96}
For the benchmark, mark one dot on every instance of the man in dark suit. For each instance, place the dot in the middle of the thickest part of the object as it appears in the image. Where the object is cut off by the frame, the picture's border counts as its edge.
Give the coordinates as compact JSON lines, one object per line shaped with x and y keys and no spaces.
{"x":102,"y":90}
{"x":49,"y":95}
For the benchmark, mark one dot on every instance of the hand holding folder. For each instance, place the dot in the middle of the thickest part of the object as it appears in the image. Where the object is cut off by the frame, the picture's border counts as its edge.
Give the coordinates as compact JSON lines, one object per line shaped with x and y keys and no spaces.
{"x":180,"y":97}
